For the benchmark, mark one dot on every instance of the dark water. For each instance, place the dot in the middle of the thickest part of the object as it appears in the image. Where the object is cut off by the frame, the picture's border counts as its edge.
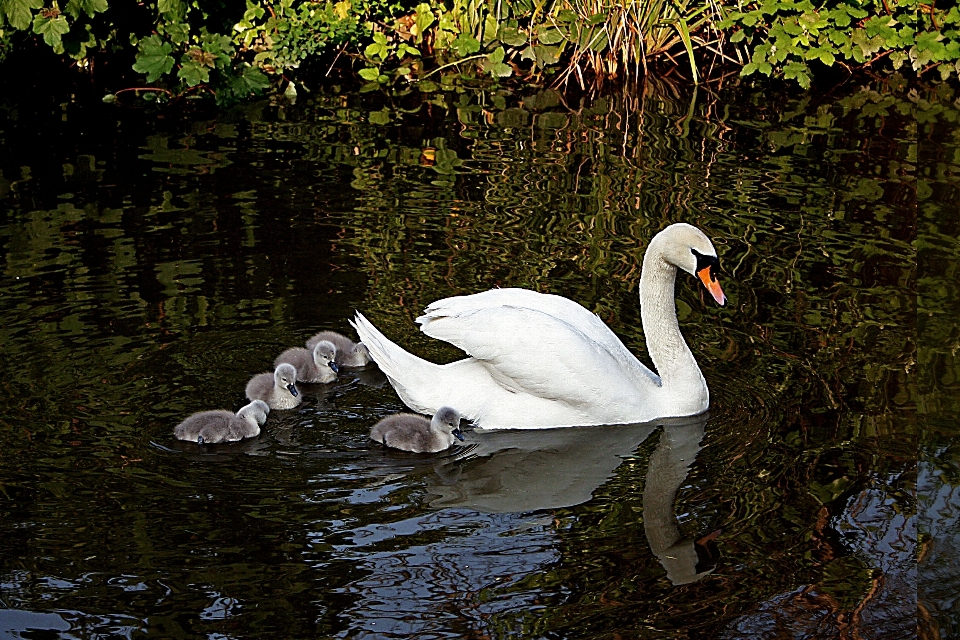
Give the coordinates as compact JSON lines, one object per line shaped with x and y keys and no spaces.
{"x":150,"y":267}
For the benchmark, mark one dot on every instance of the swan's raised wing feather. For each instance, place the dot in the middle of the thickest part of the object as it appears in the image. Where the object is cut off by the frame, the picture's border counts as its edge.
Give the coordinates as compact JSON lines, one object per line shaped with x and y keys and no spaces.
{"x":529,"y":351}
{"x":572,"y":314}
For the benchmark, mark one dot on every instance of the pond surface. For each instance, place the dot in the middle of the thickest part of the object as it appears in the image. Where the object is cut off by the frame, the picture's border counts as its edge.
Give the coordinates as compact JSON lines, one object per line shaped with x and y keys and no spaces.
{"x":150,"y":266}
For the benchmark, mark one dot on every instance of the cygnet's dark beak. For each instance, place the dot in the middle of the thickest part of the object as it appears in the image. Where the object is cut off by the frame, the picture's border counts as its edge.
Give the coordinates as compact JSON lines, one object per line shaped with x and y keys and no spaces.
{"x":333,"y":365}
{"x":292,"y":388}
{"x":458,"y":434}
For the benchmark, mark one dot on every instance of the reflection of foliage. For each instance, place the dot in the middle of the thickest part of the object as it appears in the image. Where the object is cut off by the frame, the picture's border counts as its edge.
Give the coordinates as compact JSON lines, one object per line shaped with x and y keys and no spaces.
{"x":813,"y":364}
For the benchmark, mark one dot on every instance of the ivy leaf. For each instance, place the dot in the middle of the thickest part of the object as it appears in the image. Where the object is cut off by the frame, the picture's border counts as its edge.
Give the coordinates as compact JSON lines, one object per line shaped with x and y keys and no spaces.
{"x":52,"y":25}
{"x":194,"y":73}
{"x":548,"y":36}
{"x":154,"y":58}
{"x":466,"y":45}
{"x":494,"y":64}
{"x":547,"y":56}
{"x":18,"y":12}
{"x":512,"y":37}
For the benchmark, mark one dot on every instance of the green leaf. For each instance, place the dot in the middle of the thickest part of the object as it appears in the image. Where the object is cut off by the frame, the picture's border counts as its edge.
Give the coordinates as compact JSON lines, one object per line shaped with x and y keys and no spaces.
{"x":370,"y":74}
{"x":422,"y":20}
{"x":749,"y":68}
{"x":827,"y":58}
{"x":840,"y":17}
{"x":512,"y":37}
{"x":51,"y":28}
{"x":379,"y":117}
{"x":466,"y":45}
{"x":193,"y":73}
{"x":154,"y":58}
{"x":89,"y":7}
{"x":494,"y":64}
{"x":738,"y":36}
{"x":548,"y":35}
{"x":18,"y":12}
{"x":798,"y":71}
{"x":252,"y":80}
{"x":178,"y":32}
{"x":547,"y":56}
{"x":172,"y":10}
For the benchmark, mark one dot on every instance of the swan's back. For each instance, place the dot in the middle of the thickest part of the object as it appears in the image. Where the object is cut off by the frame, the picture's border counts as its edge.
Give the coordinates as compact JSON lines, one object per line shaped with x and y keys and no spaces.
{"x":456,"y":319}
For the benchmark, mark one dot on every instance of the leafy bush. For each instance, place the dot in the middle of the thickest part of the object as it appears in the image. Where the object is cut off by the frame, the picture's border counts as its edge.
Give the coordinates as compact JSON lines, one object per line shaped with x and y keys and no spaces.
{"x":232,"y":50}
{"x":784,"y":36}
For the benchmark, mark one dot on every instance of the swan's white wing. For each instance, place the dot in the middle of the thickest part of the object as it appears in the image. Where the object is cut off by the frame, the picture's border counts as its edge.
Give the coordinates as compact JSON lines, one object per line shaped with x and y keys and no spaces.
{"x":574,"y":315}
{"x":529,"y":351}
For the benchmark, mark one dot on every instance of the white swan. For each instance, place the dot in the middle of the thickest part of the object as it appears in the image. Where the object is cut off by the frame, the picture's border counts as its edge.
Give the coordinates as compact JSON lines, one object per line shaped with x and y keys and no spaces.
{"x":540,"y":360}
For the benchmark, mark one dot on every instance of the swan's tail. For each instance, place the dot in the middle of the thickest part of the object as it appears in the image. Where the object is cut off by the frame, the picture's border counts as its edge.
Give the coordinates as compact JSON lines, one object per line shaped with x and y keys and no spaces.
{"x":405,"y":371}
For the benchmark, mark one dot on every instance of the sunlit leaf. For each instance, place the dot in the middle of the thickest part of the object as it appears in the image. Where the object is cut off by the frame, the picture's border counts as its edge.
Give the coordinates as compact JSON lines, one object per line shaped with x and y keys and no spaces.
{"x":154,"y":58}
{"x":51,"y":28}
{"x":18,"y":12}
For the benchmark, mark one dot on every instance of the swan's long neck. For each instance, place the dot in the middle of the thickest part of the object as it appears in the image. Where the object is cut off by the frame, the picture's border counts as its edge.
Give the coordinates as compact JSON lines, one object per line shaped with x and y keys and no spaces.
{"x":671,"y":356}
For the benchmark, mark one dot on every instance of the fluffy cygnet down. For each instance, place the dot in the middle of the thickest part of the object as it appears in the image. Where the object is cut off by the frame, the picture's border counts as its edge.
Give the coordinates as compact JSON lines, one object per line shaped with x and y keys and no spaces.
{"x":316,"y":364}
{"x":277,"y":389}
{"x":410,"y":432}
{"x":211,"y":427}
{"x":349,"y":353}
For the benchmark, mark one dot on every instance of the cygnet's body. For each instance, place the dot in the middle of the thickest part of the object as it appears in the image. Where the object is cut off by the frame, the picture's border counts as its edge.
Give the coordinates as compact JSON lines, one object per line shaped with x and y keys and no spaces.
{"x":211,"y":427}
{"x":410,"y":432}
{"x":277,"y":389}
{"x":316,"y":364}
{"x":349,"y":353}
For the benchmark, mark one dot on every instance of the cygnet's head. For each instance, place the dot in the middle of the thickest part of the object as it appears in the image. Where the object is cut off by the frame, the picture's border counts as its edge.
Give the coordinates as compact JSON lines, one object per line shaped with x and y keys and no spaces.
{"x":449,"y":417}
{"x":258,"y":410}
{"x":324,"y":353}
{"x":285,"y":375}
{"x":689,"y":248}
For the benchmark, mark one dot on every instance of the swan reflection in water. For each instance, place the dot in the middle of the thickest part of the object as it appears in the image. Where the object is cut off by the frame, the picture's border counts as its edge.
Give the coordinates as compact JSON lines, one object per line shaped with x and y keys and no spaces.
{"x":507,"y":471}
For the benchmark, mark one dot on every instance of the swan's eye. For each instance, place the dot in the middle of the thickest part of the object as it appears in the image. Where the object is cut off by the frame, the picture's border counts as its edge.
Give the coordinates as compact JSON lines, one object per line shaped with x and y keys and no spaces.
{"x":707,"y":262}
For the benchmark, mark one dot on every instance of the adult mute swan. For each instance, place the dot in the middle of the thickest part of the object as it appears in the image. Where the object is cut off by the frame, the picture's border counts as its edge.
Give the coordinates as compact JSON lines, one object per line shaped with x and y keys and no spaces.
{"x":539,"y":360}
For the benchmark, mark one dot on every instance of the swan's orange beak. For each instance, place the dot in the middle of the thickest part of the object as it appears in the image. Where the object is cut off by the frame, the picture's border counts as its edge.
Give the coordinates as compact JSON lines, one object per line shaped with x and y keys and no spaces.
{"x":712,"y":285}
